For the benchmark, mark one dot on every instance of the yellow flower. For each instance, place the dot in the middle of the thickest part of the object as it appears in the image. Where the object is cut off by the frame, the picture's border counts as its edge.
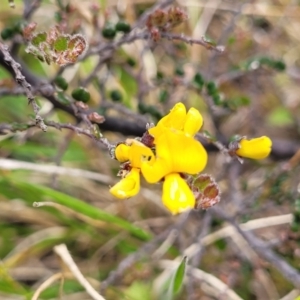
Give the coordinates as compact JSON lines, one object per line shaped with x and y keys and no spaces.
{"x":175,"y":153}
{"x":177,"y":196}
{"x":128,"y":186}
{"x":257,"y":148}
{"x":178,"y":119}
{"x":133,"y":151}
{"x":174,"y":120}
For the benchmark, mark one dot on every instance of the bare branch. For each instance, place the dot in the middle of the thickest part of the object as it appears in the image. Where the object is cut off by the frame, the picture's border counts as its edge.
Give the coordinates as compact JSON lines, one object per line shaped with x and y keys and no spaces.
{"x":203,"y":42}
{"x":263,"y":251}
{"x":21,"y":80}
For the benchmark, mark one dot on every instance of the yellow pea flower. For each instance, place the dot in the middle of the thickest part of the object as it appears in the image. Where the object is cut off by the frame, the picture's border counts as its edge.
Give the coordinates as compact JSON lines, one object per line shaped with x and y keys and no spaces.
{"x":174,"y":120}
{"x":257,"y":148}
{"x":178,"y":119}
{"x":175,"y":153}
{"x":128,"y":186}
{"x":177,"y":196}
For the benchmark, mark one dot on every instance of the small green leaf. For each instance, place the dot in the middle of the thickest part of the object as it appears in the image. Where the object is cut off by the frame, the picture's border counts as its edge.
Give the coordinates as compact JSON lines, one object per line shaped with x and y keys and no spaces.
{"x":7,"y":33}
{"x":177,"y":278}
{"x":81,"y":94}
{"x":123,"y":27}
{"x":61,"y":82}
{"x":206,"y":191}
{"x":211,"y":88}
{"x":109,"y":31}
{"x":39,"y":38}
{"x":202,"y":181}
{"x":116,"y":96}
{"x":163,"y":96}
{"x":61,"y":43}
{"x":279,"y":65}
{"x":198,"y":80}
{"x":62,"y":98}
{"x":179,"y":275}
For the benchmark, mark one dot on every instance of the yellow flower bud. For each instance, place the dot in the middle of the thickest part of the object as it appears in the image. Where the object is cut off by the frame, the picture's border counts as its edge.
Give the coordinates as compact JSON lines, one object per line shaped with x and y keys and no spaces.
{"x":257,"y":148}
{"x":128,"y":186}
{"x":193,"y":122}
{"x":177,"y":196}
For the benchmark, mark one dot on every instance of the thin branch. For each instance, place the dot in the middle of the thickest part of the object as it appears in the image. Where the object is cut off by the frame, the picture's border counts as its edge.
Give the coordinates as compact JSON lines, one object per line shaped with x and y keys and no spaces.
{"x":63,"y":253}
{"x":229,"y":231}
{"x":203,"y":42}
{"x":145,"y":249}
{"x":263,"y":251}
{"x":21,"y":80}
{"x":30,"y":7}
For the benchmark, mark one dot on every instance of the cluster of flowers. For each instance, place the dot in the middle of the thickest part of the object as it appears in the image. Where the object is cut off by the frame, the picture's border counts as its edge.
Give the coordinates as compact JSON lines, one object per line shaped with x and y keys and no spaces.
{"x":168,"y":152}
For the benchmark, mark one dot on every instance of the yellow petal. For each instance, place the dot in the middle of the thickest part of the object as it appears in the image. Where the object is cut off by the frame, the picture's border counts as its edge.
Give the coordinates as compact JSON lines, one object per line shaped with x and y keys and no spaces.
{"x":139,"y":152}
{"x":128,"y":186}
{"x":193,"y":122}
{"x":177,"y":196}
{"x":155,"y":170}
{"x":122,"y":152}
{"x":175,"y":120}
{"x":175,"y":153}
{"x":257,"y":148}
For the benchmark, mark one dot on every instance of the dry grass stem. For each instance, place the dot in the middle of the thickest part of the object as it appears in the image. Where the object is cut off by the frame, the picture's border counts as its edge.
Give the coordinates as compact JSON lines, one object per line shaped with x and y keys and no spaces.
{"x":63,"y":253}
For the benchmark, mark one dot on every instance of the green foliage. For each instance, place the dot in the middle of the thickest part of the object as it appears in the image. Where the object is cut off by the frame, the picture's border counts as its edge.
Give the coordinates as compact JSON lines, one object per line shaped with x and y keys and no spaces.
{"x":54,"y":46}
{"x":123,"y":27}
{"x":81,"y":94}
{"x":174,"y":284}
{"x":138,"y":291}
{"x":198,"y":80}
{"x":256,"y":62}
{"x":61,"y":83}
{"x":109,"y":31}
{"x":61,"y":43}
{"x":83,"y":208}
{"x":7,"y":33}
{"x":150,"y":109}
{"x":39,"y":38}
{"x":116,"y":96}
{"x":163,"y":96}
{"x":280,"y":116}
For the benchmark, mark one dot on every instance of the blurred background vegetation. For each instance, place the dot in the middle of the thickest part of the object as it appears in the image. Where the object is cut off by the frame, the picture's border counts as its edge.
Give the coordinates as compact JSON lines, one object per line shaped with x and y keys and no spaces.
{"x":251,"y":88}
